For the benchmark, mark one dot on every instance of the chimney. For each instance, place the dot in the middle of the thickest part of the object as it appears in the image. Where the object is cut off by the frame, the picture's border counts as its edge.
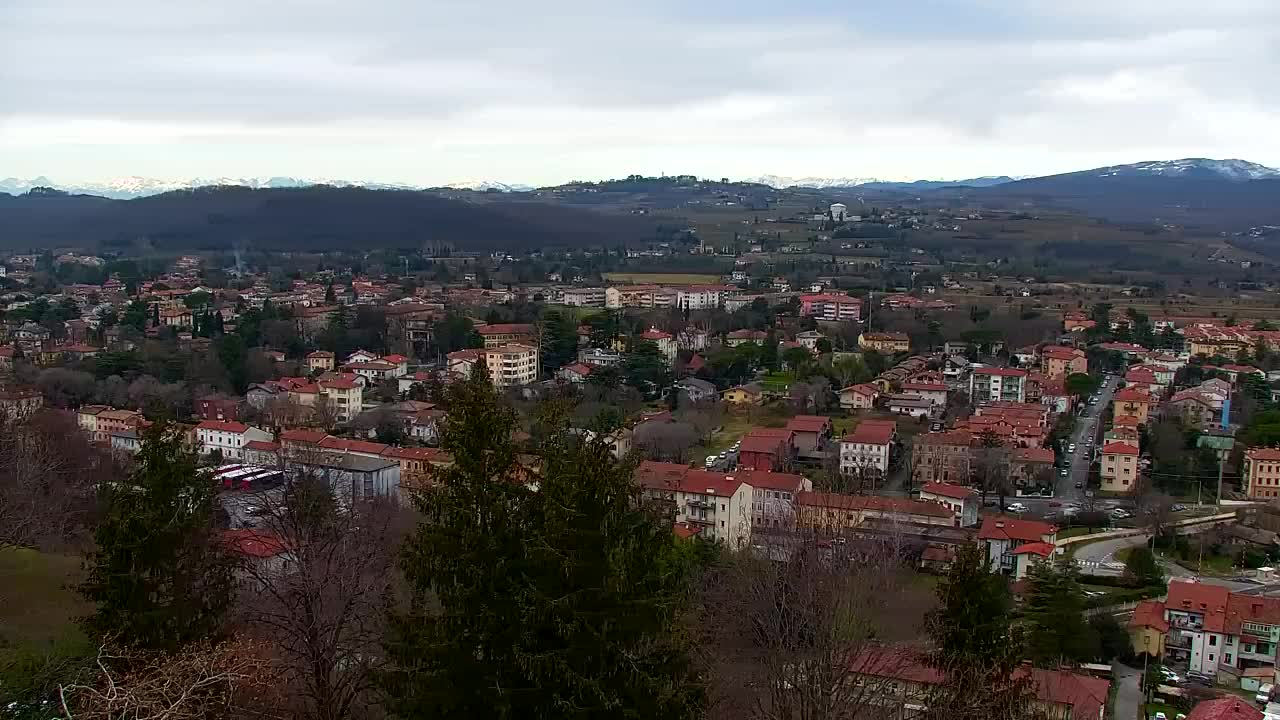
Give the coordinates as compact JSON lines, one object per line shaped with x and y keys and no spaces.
{"x":999,"y":524}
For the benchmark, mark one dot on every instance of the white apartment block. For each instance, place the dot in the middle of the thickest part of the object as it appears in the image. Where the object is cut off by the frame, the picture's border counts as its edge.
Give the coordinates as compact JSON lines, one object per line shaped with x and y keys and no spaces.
{"x":227,"y":437}
{"x":511,"y":364}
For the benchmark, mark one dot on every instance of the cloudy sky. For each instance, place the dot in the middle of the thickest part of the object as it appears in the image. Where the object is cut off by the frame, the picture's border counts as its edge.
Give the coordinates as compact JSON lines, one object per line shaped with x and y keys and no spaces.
{"x":424,"y":91}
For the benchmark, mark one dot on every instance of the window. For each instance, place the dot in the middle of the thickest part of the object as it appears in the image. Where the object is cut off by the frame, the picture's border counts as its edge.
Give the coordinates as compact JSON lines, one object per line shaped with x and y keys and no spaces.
{"x":1211,"y":657}
{"x":1213,"y":641}
{"x":1227,"y":658}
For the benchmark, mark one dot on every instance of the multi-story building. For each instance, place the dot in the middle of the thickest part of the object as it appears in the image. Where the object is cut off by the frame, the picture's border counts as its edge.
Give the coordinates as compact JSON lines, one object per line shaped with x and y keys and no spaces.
{"x":1212,"y":629}
{"x":943,"y":457}
{"x":831,"y":307}
{"x":503,"y":333}
{"x":859,"y":397}
{"x":742,"y":337}
{"x":768,"y":449}
{"x":1262,"y":472}
{"x":87,"y":419}
{"x":989,"y":384}
{"x":718,"y":506}
{"x":1013,"y":545}
{"x":963,"y":502}
{"x":321,"y":360}
{"x":227,"y":437}
{"x":885,"y":342}
{"x":112,"y":421}
{"x":511,"y":364}
{"x":866,"y":450}
{"x":1132,"y":402}
{"x":1119,"y":467}
{"x":666,"y":344}
{"x":702,"y":297}
{"x":584,"y":297}
{"x":346,"y":394}
{"x":833,"y":512}
{"x":1059,"y":360}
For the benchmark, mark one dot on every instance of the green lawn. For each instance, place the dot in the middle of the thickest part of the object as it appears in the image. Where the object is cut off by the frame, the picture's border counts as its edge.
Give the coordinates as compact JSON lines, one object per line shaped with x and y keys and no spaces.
{"x":1075,"y":532}
{"x":663,"y":278}
{"x":1150,"y":709}
{"x":735,"y":426}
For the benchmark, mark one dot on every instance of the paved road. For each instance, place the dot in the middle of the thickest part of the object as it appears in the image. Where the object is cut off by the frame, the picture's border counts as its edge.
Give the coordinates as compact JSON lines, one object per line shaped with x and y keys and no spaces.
{"x":1088,"y":428}
{"x":1128,"y":693}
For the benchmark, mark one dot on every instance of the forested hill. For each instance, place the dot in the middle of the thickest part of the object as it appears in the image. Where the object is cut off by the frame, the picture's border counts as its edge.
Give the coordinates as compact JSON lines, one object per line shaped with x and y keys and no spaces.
{"x":312,"y":218}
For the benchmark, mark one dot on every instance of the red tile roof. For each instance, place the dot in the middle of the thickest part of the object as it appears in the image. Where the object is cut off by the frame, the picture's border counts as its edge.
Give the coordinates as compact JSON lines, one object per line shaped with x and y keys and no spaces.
{"x":1035,"y":454}
{"x":416,"y":453}
{"x":320,"y":354}
{"x":395,"y":359}
{"x":653,"y":475}
{"x":809,"y":423}
{"x":1150,"y":614}
{"x":1263,"y":454}
{"x":1225,"y":708}
{"x":309,"y":437}
{"x":923,"y":387}
{"x":1132,"y":395}
{"x":685,"y":530}
{"x":758,"y":442}
{"x":262,"y":445}
{"x":655,"y":334}
{"x":873,"y":503}
{"x":223,"y":426}
{"x":873,"y":432}
{"x":1126,"y":420}
{"x":1003,"y":528}
{"x":957,"y":492}
{"x":350,"y":445}
{"x":1043,"y":549}
{"x":703,"y":482}
{"x":861,"y":389}
{"x":1119,"y":448}
{"x":253,"y":542}
{"x":771,"y":480}
{"x":1202,"y":598}
{"x":1007,"y":372}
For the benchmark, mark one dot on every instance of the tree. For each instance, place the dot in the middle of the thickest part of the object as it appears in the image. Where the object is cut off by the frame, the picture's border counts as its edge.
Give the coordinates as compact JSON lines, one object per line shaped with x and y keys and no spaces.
{"x":1142,"y":567}
{"x":1081,"y":384}
{"x":538,"y":604}
{"x":976,"y":646}
{"x":645,"y":369}
{"x":159,"y":576}
{"x":559,"y":341}
{"x":324,"y":617}
{"x":1054,"y":613}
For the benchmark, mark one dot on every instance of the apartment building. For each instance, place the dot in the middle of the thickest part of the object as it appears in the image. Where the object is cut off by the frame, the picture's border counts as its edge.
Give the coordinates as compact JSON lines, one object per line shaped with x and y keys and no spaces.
{"x":944,"y":457}
{"x":503,"y":333}
{"x":831,"y":307}
{"x":584,"y":297}
{"x":989,"y":384}
{"x":511,"y":364}
{"x":1119,"y":467}
{"x":834,"y":512}
{"x":1059,"y":360}
{"x":867,"y":448}
{"x":665,"y":342}
{"x":885,"y":342}
{"x":227,"y":437}
{"x":1014,"y":545}
{"x":1213,"y":630}
{"x":1133,"y":402}
{"x":717,"y":506}
{"x":1262,"y":473}
{"x":703,"y":297}
{"x":963,"y":502}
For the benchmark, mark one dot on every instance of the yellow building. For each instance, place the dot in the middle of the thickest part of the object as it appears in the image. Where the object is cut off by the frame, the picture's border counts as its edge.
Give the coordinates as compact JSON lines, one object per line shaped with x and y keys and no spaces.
{"x":1148,"y":628}
{"x":887,"y":342}
{"x":1119,"y":467}
{"x":511,"y":364}
{"x":1262,"y":472}
{"x":321,"y":360}
{"x":1132,"y":402}
{"x":744,"y":395}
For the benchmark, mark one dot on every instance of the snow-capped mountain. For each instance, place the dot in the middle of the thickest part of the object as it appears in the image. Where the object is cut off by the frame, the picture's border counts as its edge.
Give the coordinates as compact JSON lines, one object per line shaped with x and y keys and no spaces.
{"x":1235,"y":170}
{"x":782,"y":182}
{"x":488,"y":185}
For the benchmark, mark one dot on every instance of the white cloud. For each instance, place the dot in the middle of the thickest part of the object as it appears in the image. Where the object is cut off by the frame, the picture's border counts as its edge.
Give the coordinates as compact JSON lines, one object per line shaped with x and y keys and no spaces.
{"x":544,"y":92}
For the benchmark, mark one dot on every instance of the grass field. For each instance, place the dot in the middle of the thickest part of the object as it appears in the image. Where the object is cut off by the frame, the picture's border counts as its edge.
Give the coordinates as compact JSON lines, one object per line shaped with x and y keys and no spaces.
{"x":37,"y":599}
{"x":663,"y":278}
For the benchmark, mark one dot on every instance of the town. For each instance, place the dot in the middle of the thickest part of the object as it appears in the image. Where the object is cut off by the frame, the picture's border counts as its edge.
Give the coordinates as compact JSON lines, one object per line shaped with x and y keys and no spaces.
{"x":1106,"y":458}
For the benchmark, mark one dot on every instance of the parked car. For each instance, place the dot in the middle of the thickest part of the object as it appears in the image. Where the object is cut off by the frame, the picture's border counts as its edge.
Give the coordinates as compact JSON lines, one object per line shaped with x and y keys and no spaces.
{"x":1079,"y":484}
{"x":1264,"y":694}
{"x":1121,"y":514}
{"x":1017,"y":508}
{"x":711,"y":460}
{"x":1064,"y":472}
{"x":1178,"y":507}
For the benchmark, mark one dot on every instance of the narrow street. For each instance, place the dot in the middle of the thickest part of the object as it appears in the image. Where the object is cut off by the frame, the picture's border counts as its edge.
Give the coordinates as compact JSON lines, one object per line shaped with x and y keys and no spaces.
{"x":1128,"y":692}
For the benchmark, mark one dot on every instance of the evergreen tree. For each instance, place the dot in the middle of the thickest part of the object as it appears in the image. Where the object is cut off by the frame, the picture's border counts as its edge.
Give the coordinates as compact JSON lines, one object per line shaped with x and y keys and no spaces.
{"x":330,"y":298}
{"x":769,"y":352}
{"x":158,"y":576}
{"x":976,"y":646}
{"x":554,"y":603}
{"x":1057,"y":630}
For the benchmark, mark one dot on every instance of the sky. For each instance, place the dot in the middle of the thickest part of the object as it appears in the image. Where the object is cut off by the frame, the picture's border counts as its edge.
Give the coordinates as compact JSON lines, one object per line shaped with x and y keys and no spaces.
{"x":431,"y":92}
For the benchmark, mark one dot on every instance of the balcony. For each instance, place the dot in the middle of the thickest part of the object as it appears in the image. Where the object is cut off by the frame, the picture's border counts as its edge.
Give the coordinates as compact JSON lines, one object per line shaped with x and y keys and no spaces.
{"x":1180,"y":640}
{"x":1184,"y":623}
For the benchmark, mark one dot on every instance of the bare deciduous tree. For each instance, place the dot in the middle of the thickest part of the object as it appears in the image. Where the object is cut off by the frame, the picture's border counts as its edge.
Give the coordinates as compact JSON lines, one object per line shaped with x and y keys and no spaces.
{"x":789,"y":625}
{"x":319,"y":604}
{"x":231,"y":679}
{"x":669,"y":441}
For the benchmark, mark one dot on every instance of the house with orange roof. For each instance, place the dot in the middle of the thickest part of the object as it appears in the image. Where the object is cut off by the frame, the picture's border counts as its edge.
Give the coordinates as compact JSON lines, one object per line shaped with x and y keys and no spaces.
{"x":859,"y":397}
{"x":321,"y":360}
{"x":1061,"y":360}
{"x":1134,"y":402}
{"x":767,"y":449}
{"x":833,"y":512}
{"x":811,"y":433}
{"x":867,"y":448}
{"x":665,"y":342}
{"x":1119,"y":467}
{"x":227,"y":437}
{"x":1013,"y":545}
{"x":963,"y":502}
{"x":1147,"y":628}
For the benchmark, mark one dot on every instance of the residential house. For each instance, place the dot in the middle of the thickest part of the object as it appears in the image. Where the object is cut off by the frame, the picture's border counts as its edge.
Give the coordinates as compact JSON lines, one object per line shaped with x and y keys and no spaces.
{"x":943,"y":457}
{"x":963,"y":502}
{"x":810,"y":434}
{"x":1031,"y":468}
{"x":321,"y":360}
{"x":666,"y":344}
{"x":266,"y":453}
{"x":576,"y":373}
{"x":770,"y":449}
{"x":416,"y":465}
{"x":749,"y":394}
{"x":1060,"y":360}
{"x":697,"y":390}
{"x":885,"y":342}
{"x":500,"y":334}
{"x":742,"y":337}
{"x":773,"y":496}
{"x":1130,"y":401}
{"x":1262,"y":473}
{"x":934,"y":393}
{"x":833,"y":512}
{"x":1119,"y":467}
{"x":988,"y":384}
{"x":1014,"y":545}
{"x":718,"y":503}
{"x":809,"y":340}
{"x":1227,"y":708}
{"x":227,"y":438}
{"x":112,"y":421}
{"x":213,"y":407}
{"x":1195,"y":408}
{"x":865,"y":452}
{"x":911,"y":405}
{"x":1148,"y":628}
{"x":859,"y":397}
{"x":597,"y":357}
{"x":87,"y":419}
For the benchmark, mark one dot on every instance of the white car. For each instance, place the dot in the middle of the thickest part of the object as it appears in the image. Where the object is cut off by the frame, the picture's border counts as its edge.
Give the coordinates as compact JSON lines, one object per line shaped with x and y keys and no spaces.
{"x":711,"y":460}
{"x":1017,"y":508}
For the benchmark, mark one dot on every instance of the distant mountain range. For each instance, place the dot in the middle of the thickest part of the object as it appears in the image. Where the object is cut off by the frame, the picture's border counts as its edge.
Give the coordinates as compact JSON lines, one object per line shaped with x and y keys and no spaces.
{"x":783,"y":183}
{"x":126,"y":188}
